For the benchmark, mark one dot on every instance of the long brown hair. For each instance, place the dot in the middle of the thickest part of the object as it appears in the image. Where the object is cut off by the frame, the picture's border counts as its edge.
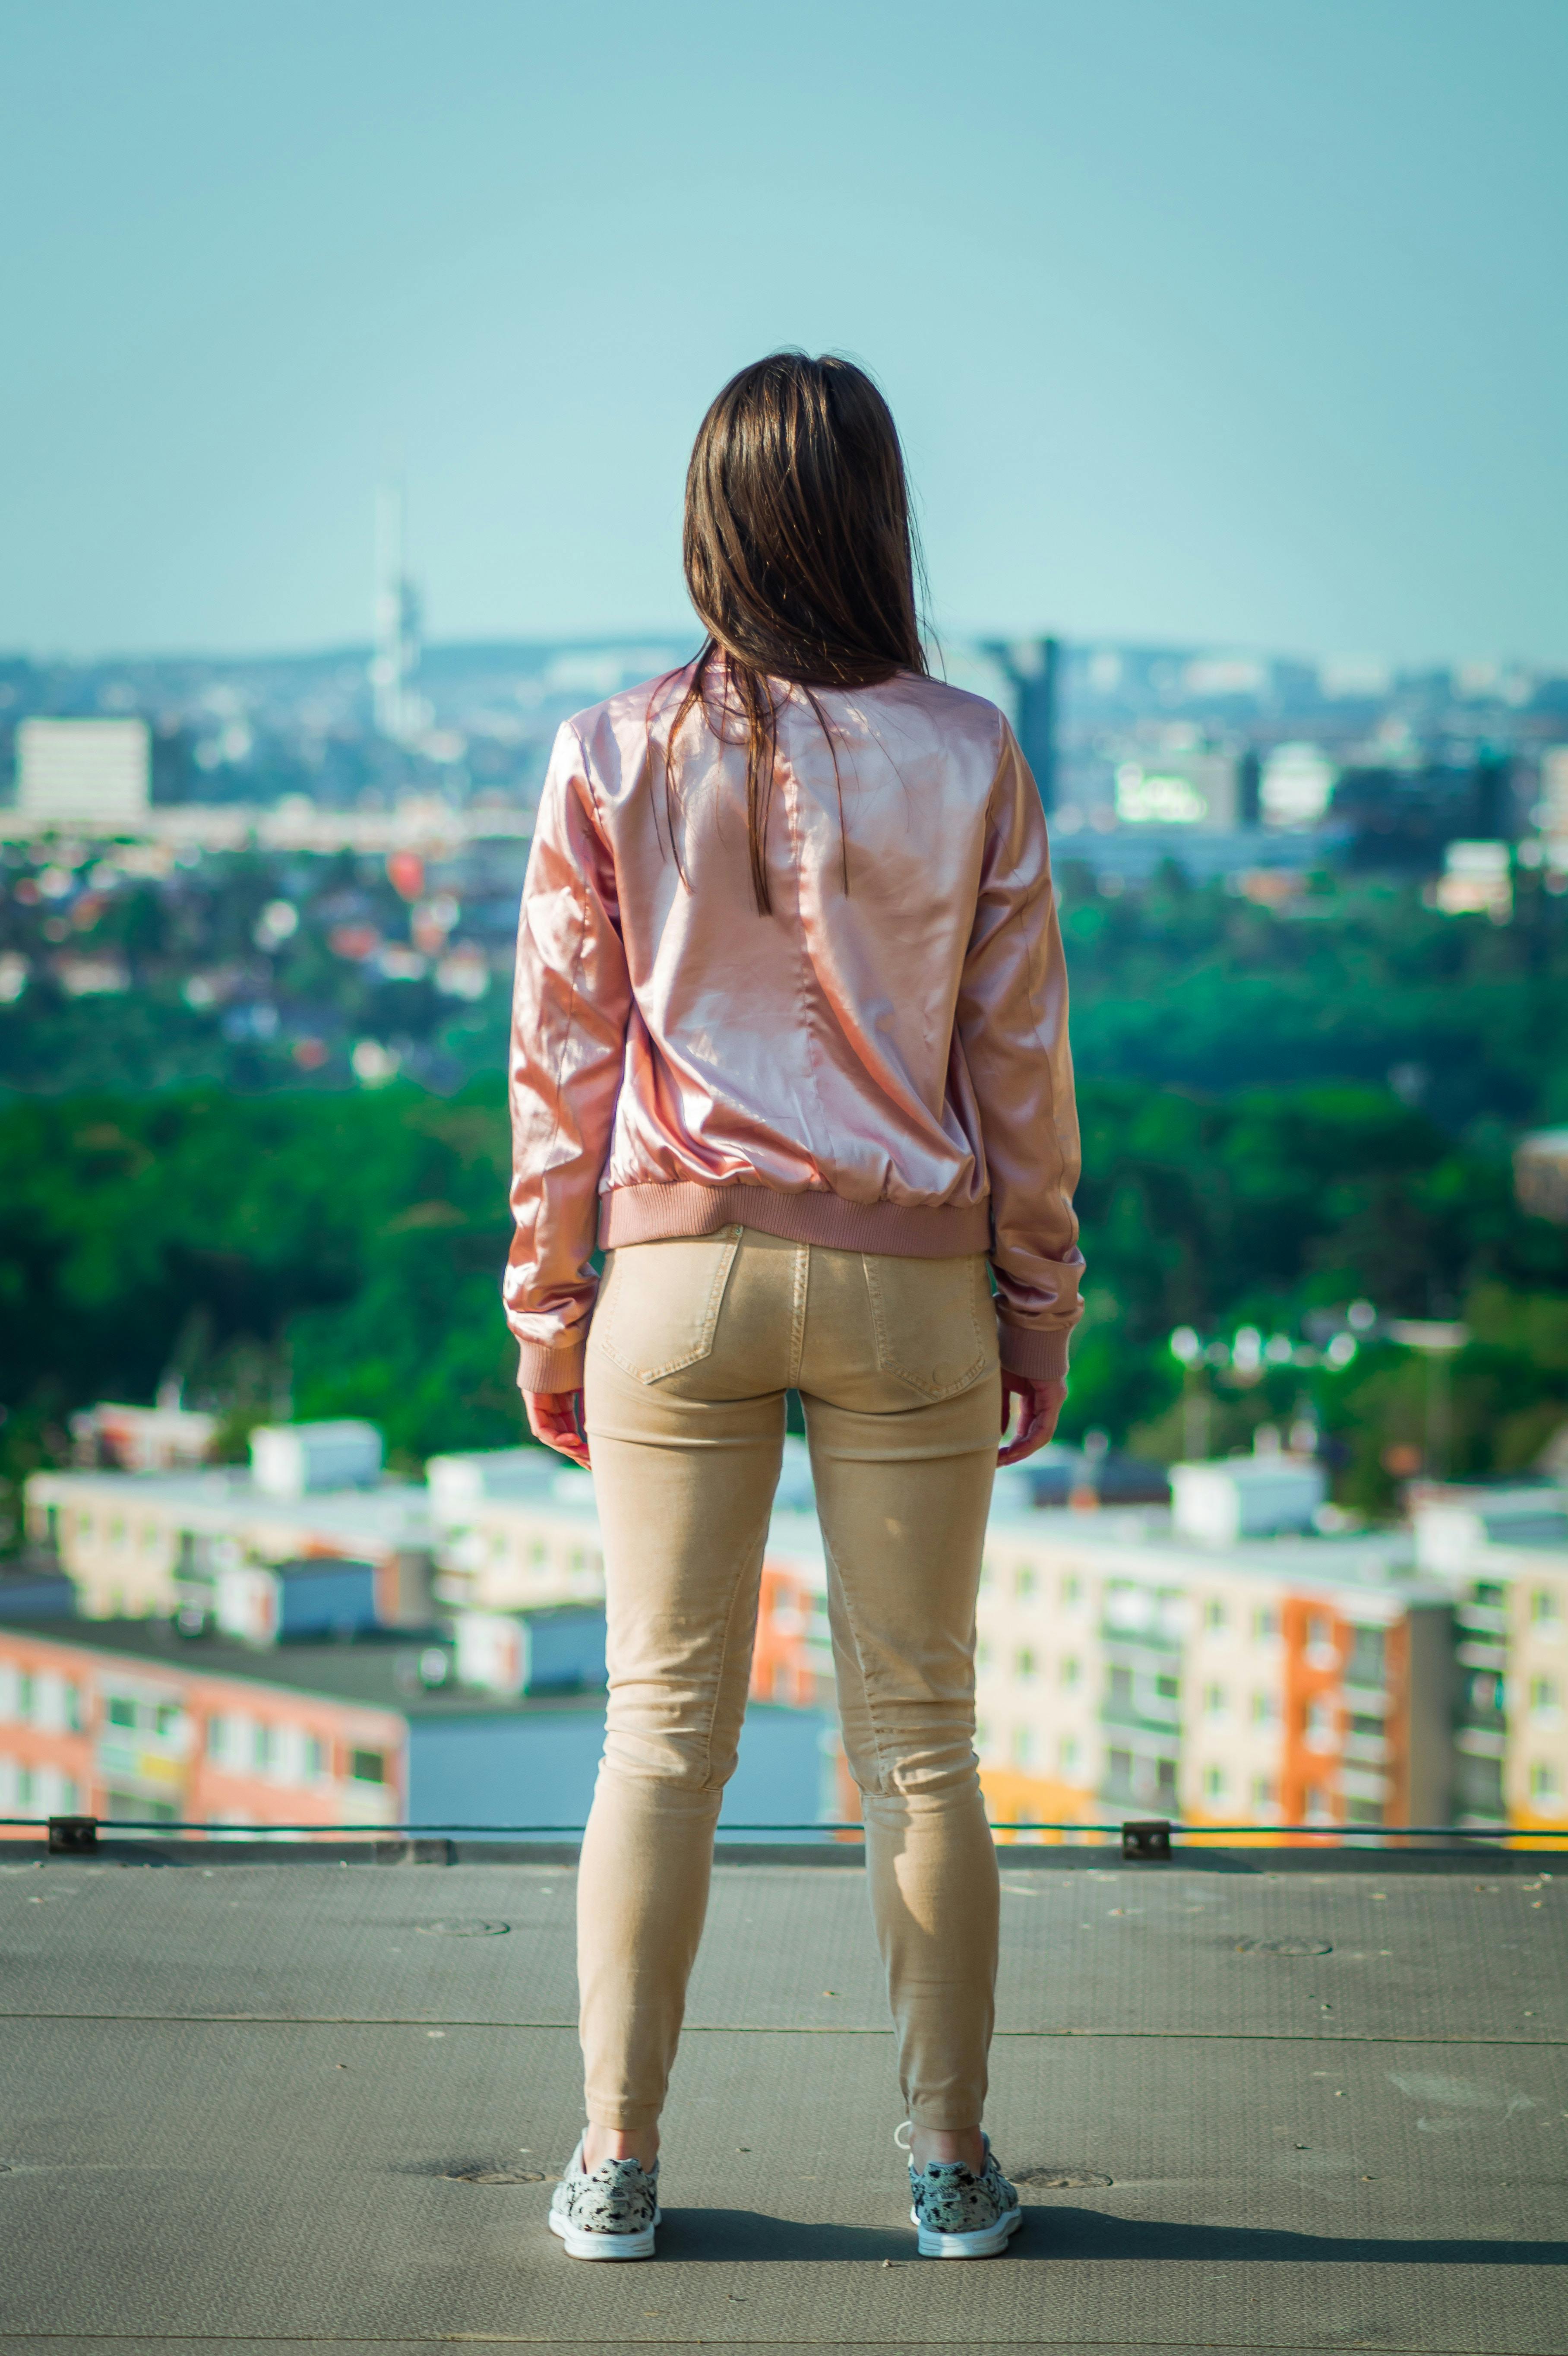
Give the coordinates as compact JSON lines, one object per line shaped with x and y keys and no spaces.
{"x":801,"y":558}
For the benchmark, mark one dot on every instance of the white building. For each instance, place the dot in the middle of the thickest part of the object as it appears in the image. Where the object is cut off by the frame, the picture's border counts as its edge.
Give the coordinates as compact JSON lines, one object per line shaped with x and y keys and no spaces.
{"x":515,"y":1529}
{"x":98,"y":771}
{"x":1502,"y":1552}
{"x":155,"y":1439}
{"x":153,"y":1545}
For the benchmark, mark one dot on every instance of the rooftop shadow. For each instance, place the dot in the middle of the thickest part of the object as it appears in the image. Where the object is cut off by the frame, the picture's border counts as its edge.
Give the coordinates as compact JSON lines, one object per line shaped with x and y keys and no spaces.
{"x":731,"y":2236}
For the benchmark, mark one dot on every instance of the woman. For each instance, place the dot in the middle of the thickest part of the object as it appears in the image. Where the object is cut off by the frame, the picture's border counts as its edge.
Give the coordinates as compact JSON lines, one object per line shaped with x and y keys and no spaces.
{"x":790,"y":1043}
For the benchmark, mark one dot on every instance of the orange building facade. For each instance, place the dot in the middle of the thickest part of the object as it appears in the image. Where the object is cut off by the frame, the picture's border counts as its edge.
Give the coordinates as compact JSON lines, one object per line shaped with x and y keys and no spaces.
{"x":90,"y":1728}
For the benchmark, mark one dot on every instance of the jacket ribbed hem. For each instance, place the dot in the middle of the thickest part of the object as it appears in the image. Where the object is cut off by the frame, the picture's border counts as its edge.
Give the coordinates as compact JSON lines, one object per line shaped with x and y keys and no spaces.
{"x":652,"y":1214}
{"x":540,"y":1369}
{"x":1040,"y":1358}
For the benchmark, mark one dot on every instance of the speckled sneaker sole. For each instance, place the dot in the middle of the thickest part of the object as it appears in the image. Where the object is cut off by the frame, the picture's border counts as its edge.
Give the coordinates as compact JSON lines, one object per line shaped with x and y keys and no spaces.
{"x":609,"y":2214}
{"x":986,"y":2242}
{"x":957,"y":2214}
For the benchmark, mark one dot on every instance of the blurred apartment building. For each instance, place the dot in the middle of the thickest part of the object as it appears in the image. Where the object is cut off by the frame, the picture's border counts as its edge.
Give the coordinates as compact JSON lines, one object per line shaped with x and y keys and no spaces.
{"x":247,"y":1636}
{"x":113,"y":1718}
{"x":203,"y":1544}
{"x":1222,"y":1663}
{"x":308,"y":1641}
{"x":1502,"y":1552}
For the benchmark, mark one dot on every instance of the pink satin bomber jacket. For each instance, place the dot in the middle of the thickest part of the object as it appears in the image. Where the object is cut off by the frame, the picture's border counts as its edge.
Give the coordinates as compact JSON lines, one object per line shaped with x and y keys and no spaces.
{"x":881,"y":1068}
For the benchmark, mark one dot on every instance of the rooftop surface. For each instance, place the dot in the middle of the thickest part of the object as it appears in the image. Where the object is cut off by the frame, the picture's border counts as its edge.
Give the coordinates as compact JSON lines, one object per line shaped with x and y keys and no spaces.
{"x":1266,"y":2101}
{"x":1378,"y":1560}
{"x":213,"y":1497}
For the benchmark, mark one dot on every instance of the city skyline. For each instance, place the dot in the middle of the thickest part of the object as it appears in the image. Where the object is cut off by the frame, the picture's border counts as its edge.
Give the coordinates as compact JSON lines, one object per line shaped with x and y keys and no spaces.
{"x":1207,"y":329}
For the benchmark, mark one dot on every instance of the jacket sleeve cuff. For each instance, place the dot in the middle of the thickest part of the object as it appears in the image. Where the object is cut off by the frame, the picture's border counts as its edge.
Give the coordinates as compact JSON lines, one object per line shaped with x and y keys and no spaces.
{"x":540,"y":1369}
{"x":1041,"y":1356}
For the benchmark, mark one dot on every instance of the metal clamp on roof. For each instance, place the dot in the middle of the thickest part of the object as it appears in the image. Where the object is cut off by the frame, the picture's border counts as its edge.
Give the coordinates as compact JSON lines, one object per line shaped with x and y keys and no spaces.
{"x":72,"y":1835}
{"x":1147,"y":1842}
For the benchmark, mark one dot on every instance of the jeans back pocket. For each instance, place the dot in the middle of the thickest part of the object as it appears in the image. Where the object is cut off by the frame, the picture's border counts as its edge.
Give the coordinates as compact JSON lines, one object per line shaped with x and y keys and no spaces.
{"x":658,"y":1308}
{"x":926,"y":1316}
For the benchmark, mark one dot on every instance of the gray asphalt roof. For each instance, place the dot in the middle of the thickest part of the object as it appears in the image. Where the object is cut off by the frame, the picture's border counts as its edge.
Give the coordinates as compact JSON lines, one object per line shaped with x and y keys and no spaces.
{"x":308,"y":2105}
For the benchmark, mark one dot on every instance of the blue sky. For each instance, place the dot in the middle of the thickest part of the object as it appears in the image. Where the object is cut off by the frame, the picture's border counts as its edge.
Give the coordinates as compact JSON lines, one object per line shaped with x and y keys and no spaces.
{"x":1230,"y":320}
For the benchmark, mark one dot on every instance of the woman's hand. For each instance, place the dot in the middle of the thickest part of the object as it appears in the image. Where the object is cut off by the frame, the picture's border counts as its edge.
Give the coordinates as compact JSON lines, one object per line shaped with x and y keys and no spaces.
{"x":556,"y":1418}
{"x":1039,"y":1404}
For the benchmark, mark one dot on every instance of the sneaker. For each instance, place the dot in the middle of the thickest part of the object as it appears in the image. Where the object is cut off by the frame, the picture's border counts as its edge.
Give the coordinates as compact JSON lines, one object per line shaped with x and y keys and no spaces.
{"x":609,"y":2214}
{"x":957,"y":2214}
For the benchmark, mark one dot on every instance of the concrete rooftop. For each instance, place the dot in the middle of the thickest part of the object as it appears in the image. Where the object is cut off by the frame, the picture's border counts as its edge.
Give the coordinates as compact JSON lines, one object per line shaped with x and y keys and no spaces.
{"x":1261,"y":2101}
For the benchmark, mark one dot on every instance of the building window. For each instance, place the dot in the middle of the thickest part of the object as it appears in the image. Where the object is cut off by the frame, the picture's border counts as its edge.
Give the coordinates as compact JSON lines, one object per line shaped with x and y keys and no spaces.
{"x":1165,"y":1779}
{"x":1544,"y":1783}
{"x":1072,"y":1592}
{"x":1023,"y":1746}
{"x":1543,"y":1697}
{"x":1120,"y":1764}
{"x":1484,"y":1691}
{"x":1071,"y":1669}
{"x":263,"y":1746}
{"x":982,"y":1656}
{"x":578,"y":1559}
{"x":1366,"y":1663}
{"x":26,"y":1782}
{"x":1214,"y":1783}
{"x":1023,"y":1583}
{"x":1167,"y":1688}
{"x":1214,"y":1615}
{"x":122,"y":1710}
{"x":1263,"y":1791}
{"x":1363,"y":1812}
{"x":166,"y":1720}
{"x":1320,"y":1630}
{"x":1215,"y":1703}
{"x":117,"y":1532}
{"x":1319,"y":1810}
{"x":368,"y":1766}
{"x":1025,"y":1666}
{"x":84,"y":1525}
{"x":149,"y":1537}
{"x":1266,"y":1709}
{"x":1319,"y":1726}
{"x":1069,"y":1753}
{"x":1121,"y":1689}
{"x":1543,"y":1611}
{"x":315,"y":1760}
{"x":1265,"y":1624}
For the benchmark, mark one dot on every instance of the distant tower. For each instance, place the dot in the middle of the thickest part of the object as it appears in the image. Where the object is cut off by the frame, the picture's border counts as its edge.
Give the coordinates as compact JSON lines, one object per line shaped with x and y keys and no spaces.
{"x":1034,"y":667}
{"x":1038,"y":684}
{"x":396,"y":655}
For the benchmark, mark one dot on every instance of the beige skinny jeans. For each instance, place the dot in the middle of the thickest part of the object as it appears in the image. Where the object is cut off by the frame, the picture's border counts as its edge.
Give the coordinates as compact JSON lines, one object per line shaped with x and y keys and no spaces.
{"x":694,"y":1344}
